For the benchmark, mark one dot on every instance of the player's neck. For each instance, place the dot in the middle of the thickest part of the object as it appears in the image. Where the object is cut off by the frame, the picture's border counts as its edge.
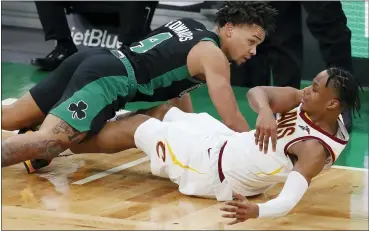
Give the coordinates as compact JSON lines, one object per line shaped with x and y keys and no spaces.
{"x":326,"y":121}
{"x":218,"y":31}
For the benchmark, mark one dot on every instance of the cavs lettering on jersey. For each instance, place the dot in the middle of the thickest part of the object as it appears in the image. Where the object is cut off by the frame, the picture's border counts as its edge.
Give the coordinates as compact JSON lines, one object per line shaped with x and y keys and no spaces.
{"x":160,"y":60}
{"x":251,"y":172}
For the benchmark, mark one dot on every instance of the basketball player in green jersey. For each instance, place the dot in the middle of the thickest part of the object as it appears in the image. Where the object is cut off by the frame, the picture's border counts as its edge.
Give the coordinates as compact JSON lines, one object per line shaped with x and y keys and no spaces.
{"x":74,"y":102}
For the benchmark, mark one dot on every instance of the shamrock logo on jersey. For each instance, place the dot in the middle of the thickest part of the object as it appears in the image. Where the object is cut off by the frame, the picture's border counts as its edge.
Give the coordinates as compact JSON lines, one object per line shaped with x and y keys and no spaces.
{"x":78,"y":109}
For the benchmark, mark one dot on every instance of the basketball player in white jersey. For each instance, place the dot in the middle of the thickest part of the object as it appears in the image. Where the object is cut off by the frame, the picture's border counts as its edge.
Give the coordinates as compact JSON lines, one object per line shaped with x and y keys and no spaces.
{"x":207,"y":159}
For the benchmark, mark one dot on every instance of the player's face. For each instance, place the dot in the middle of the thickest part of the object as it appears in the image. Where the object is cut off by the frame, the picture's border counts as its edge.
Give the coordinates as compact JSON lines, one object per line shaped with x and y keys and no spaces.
{"x":318,"y":98}
{"x":243,"y":40}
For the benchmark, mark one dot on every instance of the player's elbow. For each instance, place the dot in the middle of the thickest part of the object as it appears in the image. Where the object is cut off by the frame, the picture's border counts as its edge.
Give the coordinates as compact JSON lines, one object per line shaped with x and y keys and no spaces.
{"x":253,"y":90}
{"x":231,"y":120}
{"x":218,"y":85}
{"x":289,"y":204}
{"x":286,"y":207}
{"x":283,"y":211}
{"x":229,"y":123}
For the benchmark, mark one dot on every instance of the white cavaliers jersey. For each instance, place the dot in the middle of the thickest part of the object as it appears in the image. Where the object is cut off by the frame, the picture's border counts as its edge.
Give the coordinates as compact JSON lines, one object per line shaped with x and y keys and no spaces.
{"x":251,"y":172}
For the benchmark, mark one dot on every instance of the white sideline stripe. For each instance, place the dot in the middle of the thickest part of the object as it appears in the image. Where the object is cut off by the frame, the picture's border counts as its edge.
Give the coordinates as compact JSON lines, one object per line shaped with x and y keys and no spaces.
{"x":8,"y":101}
{"x":112,"y":170}
{"x":350,"y":168}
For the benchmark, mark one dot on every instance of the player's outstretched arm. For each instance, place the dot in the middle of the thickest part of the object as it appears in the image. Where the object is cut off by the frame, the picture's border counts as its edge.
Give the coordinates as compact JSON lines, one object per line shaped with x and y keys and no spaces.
{"x":208,"y":60}
{"x":311,"y":160}
{"x":278,"y":99}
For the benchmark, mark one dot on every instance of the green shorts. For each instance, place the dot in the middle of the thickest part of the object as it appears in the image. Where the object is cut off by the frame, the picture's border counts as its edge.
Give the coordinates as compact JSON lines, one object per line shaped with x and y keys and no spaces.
{"x":102,"y":84}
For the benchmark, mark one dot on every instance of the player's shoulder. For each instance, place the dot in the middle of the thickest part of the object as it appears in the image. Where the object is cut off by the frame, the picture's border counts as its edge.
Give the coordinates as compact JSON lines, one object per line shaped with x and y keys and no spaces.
{"x":309,"y":147}
{"x":208,"y":49}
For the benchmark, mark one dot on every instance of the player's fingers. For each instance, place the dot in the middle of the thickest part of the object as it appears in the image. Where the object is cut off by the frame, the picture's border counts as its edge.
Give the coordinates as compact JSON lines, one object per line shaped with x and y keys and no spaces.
{"x":231,"y":210}
{"x":229,"y":215}
{"x":240,"y":197}
{"x":256,"y":135}
{"x":233,"y":203}
{"x":233,"y":215}
{"x":236,"y":221}
{"x":261,"y":139}
{"x":266,"y":141}
{"x":274,"y":140}
{"x":237,"y":204}
{"x":233,"y":222}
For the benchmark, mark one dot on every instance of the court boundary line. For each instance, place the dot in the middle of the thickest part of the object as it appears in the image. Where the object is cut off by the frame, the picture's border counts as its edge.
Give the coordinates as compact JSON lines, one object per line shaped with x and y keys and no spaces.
{"x":112,"y":171}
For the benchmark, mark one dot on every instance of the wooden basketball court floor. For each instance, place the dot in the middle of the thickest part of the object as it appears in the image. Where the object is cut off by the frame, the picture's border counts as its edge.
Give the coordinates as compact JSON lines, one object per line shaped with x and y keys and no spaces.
{"x":100,"y":191}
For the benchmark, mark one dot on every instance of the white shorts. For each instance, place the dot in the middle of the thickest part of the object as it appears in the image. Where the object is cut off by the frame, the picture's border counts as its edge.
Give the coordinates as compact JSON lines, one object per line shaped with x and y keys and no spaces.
{"x":184,"y":148}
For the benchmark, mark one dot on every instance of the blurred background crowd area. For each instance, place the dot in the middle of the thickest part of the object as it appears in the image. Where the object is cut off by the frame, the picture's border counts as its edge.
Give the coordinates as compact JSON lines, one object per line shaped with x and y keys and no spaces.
{"x":309,"y":35}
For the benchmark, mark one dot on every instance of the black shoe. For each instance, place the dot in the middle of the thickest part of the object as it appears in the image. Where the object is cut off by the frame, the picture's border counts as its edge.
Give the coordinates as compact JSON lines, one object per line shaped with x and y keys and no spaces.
{"x":36,"y":164}
{"x":347,"y":119}
{"x":55,"y":57}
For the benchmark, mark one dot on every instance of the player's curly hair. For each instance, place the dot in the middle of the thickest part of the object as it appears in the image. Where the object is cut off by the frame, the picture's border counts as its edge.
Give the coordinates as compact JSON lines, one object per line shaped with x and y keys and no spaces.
{"x":244,"y":12}
{"x":347,"y":88}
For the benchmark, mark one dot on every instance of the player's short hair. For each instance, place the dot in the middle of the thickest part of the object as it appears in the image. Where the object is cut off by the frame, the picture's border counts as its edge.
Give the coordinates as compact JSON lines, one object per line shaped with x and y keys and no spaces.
{"x":244,"y":12}
{"x":347,"y":88}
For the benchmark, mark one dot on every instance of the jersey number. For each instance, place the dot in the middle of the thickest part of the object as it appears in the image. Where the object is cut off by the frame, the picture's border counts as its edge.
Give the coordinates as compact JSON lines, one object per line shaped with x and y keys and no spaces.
{"x":151,"y":42}
{"x":160,"y":150}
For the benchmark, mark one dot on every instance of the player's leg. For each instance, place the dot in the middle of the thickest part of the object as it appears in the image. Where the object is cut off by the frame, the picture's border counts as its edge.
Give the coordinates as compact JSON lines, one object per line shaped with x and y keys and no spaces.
{"x":157,"y":112}
{"x":31,"y":109}
{"x":118,"y":135}
{"x":203,"y":121}
{"x":54,"y":136}
{"x":115,"y":136}
{"x":98,"y":88}
{"x":160,"y":112}
{"x":23,"y":113}
{"x":178,"y":151}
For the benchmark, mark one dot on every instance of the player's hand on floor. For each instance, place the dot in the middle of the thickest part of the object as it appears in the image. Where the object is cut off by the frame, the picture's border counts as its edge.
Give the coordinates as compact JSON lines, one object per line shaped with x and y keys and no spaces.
{"x":241,"y":210}
{"x":266,"y":127}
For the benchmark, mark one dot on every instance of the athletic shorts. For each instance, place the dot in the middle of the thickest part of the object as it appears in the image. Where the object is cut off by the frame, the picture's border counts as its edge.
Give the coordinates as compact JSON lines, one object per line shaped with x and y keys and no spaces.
{"x":87,"y":88}
{"x":185,"y":148}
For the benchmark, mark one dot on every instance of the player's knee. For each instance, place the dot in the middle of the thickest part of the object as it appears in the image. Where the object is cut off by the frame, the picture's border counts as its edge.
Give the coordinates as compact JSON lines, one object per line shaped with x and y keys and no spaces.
{"x":52,"y":146}
{"x":77,"y":149}
{"x":9,"y":120}
{"x":58,"y":138}
{"x":166,"y":107}
{"x":163,"y":110}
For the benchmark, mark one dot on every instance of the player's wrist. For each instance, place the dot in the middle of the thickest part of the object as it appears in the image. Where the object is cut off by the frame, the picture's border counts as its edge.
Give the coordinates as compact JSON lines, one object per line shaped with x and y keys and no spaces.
{"x":265,"y":108}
